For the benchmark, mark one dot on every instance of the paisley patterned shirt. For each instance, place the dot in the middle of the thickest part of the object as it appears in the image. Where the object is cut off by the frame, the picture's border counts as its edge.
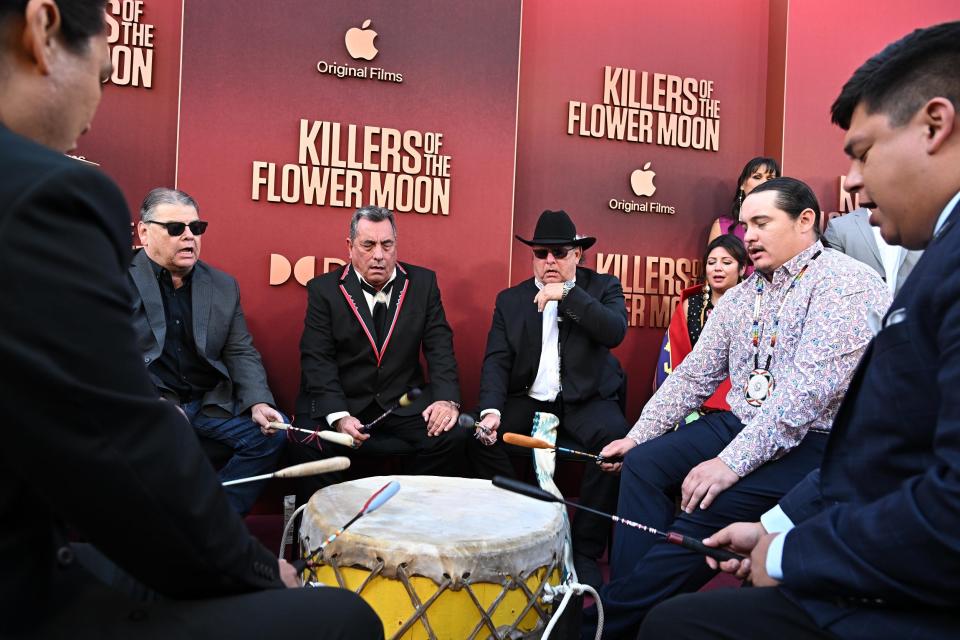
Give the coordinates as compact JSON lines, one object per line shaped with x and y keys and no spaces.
{"x":825,"y":325}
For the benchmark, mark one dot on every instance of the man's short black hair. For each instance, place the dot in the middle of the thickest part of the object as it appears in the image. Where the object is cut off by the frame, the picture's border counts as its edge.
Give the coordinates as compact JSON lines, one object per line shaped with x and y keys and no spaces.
{"x":904,"y":76}
{"x":793,"y":197}
{"x":80,"y":19}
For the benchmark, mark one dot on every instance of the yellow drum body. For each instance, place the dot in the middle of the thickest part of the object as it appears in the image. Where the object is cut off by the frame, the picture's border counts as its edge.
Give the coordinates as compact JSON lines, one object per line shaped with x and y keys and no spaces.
{"x":446,"y":558}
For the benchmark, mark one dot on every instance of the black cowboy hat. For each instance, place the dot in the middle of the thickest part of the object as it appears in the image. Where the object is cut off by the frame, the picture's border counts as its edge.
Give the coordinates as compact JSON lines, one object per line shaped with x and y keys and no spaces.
{"x":556,"y":228}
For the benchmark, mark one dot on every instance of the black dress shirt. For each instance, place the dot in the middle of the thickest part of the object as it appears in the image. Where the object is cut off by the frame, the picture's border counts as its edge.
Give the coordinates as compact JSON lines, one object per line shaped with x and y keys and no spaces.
{"x":180,"y":367}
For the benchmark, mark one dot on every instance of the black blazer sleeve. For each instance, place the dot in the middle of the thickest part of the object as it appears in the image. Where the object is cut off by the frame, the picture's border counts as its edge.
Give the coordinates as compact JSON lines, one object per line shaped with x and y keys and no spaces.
{"x":498,"y":361}
{"x":601,"y":316}
{"x":319,"y":369}
{"x":121,"y":465}
{"x":437,"y":348}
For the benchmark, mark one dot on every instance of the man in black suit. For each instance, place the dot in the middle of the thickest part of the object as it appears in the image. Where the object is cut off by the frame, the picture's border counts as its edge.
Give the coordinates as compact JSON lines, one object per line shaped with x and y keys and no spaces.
{"x":365,"y":329}
{"x":195,"y":343}
{"x":88,"y":445}
{"x":867,"y":546}
{"x":548,"y":351}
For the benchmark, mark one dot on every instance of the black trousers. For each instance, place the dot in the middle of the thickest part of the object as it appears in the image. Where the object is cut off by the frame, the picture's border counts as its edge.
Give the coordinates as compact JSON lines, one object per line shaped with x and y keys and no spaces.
{"x":730,"y":614}
{"x":395,"y":435}
{"x":591,"y":426}
{"x":83,"y":607}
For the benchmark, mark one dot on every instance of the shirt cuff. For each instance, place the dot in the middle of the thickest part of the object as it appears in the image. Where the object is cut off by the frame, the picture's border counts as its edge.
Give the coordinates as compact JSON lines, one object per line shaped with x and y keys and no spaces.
{"x":333,"y":417}
{"x":776,"y":521}
{"x":774,"y":563}
{"x":495,"y":412}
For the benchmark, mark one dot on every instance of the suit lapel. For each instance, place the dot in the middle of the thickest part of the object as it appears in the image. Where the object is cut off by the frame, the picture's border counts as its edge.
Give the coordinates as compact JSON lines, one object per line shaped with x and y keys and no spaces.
{"x":200,"y":295}
{"x":533,"y":323}
{"x":863,"y":226}
{"x":353,"y":294}
{"x":146,"y":282}
{"x":567,"y":324}
{"x":397,"y":297}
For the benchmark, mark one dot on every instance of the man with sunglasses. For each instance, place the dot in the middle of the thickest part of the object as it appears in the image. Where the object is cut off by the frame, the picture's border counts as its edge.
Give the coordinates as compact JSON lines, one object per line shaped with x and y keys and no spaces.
{"x":195,"y":342}
{"x":548,"y":350}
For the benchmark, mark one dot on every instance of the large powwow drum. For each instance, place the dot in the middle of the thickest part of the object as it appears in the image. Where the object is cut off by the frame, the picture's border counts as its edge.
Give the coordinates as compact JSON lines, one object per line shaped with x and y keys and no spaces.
{"x":444,"y":558}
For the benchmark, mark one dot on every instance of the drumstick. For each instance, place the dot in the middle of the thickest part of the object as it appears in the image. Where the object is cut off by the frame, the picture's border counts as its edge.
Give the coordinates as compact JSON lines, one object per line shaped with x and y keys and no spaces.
{"x":299,"y":470}
{"x":374,"y":502}
{"x":670,"y":536}
{"x":331,"y":436}
{"x":468,"y":422}
{"x":484,"y":434}
{"x":536,"y":443}
{"x":405,"y":401}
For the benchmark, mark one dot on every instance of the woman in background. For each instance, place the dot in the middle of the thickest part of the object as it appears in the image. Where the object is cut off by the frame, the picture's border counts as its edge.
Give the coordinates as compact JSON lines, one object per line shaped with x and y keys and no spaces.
{"x":724,"y":264}
{"x":757,"y":171}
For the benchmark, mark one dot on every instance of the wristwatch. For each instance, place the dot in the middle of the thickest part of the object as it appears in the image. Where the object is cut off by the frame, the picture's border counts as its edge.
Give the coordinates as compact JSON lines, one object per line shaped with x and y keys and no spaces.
{"x":566,"y":289}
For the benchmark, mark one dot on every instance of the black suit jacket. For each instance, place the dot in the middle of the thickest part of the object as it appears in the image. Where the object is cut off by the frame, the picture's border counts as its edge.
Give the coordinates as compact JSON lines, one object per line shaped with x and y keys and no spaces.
{"x":341,"y":367}
{"x":876,"y":549}
{"x":86,"y":439}
{"x":219,"y":329}
{"x":594,"y":321}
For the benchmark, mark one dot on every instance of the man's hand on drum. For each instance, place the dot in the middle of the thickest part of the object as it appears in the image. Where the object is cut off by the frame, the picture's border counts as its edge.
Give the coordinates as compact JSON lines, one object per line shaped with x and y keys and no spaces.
{"x":440,"y":416}
{"x":616,"y":449}
{"x":289,"y":575}
{"x":351,"y":426}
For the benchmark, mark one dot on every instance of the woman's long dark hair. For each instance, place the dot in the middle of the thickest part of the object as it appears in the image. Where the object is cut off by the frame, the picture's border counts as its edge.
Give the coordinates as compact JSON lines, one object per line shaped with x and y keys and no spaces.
{"x":750,"y":167}
{"x":732,"y":245}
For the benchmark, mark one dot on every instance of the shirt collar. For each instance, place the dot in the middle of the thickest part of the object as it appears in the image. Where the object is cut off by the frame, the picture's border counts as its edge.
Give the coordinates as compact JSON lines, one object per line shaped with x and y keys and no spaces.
{"x":163,"y":274}
{"x":540,"y":285}
{"x":794,"y":264}
{"x":393,"y":276}
{"x":946,"y":213}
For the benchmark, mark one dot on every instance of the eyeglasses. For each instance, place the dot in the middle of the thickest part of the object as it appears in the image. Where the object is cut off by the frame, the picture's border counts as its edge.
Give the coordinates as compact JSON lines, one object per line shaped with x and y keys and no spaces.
{"x":197,"y":227}
{"x":558,"y":252}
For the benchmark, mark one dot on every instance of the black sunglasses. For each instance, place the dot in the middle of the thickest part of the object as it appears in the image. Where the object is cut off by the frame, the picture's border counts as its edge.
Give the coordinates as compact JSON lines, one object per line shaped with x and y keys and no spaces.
{"x":558,"y":252}
{"x":197,"y":227}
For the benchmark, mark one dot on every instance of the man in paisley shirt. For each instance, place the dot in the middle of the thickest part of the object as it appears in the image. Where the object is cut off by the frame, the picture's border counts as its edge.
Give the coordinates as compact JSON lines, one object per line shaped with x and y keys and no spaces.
{"x":789,"y":338}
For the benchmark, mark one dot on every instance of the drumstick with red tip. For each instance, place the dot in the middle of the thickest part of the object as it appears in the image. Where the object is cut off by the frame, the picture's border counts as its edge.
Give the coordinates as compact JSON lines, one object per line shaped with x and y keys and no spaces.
{"x":672,"y":537}
{"x":299,"y":470}
{"x":330,"y":436}
{"x":536,"y":443}
{"x":374,"y":502}
{"x":405,"y":401}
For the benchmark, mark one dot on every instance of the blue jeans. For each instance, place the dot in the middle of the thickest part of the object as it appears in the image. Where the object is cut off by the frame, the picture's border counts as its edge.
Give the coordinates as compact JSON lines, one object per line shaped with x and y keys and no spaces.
{"x":254,"y":453}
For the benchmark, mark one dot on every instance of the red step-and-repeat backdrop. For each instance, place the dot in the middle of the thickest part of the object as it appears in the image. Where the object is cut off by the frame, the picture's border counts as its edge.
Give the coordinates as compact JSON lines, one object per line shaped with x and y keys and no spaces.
{"x":469,"y":119}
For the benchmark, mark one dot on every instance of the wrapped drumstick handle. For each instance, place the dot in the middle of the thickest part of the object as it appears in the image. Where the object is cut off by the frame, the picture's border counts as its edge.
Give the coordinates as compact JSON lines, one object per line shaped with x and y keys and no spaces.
{"x":330,"y":436}
{"x":405,"y":401}
{"x":672,"y":537}
{"x":536,"y":443}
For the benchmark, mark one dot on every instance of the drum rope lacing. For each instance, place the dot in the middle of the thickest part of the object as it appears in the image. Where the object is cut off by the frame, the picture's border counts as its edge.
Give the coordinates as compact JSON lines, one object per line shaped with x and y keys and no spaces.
{"x":569,"y":590}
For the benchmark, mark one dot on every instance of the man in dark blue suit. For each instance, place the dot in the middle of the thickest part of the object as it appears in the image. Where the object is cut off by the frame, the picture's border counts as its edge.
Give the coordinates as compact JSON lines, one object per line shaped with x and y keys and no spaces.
{"x":868,"y":546}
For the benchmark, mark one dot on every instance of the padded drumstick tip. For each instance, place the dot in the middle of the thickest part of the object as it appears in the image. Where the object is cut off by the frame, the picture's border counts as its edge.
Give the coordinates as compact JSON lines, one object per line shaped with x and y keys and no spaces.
{"x":314,"y":468}
{"x":526,"y":441}
{"x":407,"y":399}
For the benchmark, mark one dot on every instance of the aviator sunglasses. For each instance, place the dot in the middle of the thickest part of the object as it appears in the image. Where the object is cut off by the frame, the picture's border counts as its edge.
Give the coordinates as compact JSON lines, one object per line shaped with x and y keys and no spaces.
{"x":197,"y":227}
{"x":558,"y":252}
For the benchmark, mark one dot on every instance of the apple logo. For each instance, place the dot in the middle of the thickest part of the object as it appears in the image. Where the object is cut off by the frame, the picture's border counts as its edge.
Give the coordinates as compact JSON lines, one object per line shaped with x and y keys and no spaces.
{"x":360,"y":42}
{"x":641,"y":181}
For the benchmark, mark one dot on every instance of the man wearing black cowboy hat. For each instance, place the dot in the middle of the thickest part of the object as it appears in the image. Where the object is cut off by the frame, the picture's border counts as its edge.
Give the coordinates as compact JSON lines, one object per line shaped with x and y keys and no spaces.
{"x":549,"y":351}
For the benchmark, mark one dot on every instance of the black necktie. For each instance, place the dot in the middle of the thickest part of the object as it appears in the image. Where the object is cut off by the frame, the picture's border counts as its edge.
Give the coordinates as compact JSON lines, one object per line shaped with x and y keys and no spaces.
{"x":379,"y":309}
